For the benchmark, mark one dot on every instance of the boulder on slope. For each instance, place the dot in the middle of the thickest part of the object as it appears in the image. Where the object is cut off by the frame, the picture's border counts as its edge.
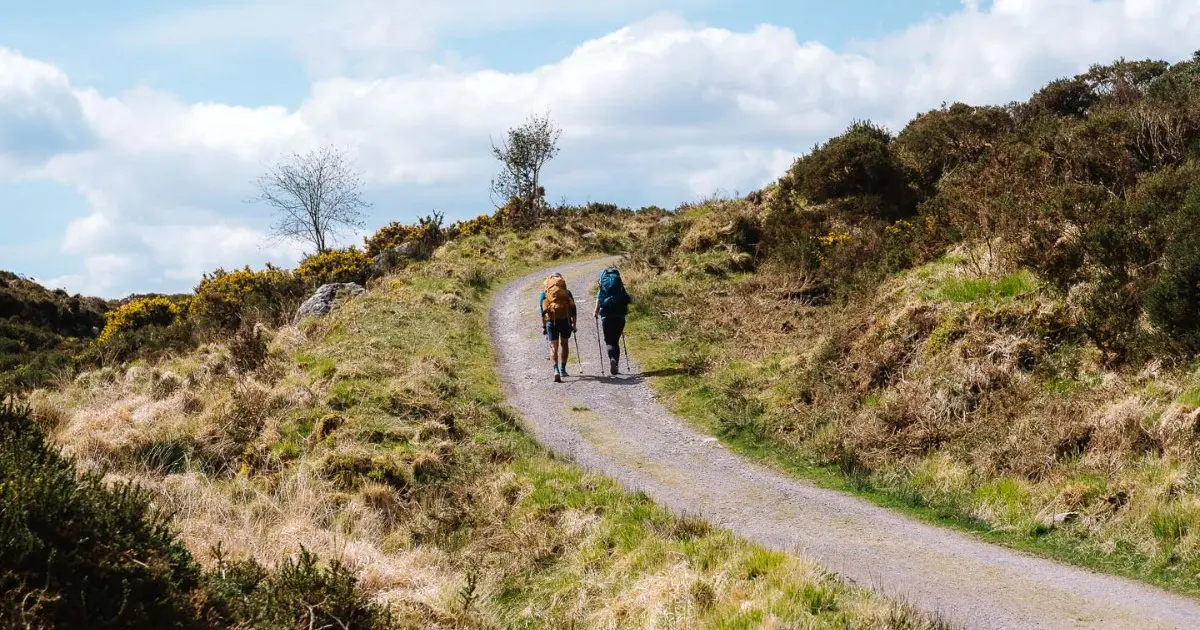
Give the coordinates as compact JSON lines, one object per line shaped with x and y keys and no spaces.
{"x":323,"y":301}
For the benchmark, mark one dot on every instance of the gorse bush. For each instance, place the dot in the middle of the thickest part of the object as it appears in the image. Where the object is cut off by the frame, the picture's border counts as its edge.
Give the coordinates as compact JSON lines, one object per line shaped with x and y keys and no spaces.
{"x":389,"y":237}
{"x":1173,"y":301}
{"x":226,"y":300}
{"x":335,"y":266}
{"x":139,"y":314}
{"x":483,"y":224}
{"x":423,"y":237}
{"x":859,"y":170}
{"x":299,"y":594}
{"x":76,"y":553}
{"x":942,"y":140}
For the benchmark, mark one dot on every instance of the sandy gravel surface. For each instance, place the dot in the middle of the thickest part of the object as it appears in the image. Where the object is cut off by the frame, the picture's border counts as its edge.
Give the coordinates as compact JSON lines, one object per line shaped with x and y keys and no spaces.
{"x":613,"y":425}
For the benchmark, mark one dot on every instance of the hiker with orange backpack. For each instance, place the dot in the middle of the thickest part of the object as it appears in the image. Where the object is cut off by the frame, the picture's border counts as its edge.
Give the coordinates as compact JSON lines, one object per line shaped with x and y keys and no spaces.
{"x":559,"y":315}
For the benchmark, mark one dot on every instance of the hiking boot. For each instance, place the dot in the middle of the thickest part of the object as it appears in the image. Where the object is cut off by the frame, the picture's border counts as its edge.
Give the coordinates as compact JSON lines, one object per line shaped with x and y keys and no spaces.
{"x":612,"y":366}
{"x":563,"y":371}
{"x":557,"y":376}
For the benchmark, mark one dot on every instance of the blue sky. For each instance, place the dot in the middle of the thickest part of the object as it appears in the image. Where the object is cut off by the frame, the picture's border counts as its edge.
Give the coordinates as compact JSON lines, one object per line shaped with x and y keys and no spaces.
{"x":130,"y":130}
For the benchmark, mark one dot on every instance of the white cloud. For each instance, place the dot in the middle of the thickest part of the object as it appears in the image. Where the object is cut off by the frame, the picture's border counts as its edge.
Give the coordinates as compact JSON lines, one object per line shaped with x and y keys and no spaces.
{"x":373,"y":36}
{"x":657,"y":112}
{"x":39,"y":113}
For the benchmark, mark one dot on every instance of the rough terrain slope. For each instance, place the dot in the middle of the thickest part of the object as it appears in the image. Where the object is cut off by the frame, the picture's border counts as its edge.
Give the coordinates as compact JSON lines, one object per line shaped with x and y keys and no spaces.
{"x":614,"y":425}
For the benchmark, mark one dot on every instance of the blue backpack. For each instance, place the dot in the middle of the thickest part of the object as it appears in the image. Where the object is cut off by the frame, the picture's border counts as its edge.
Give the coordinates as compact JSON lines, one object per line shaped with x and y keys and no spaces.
{"x":613,"y":298}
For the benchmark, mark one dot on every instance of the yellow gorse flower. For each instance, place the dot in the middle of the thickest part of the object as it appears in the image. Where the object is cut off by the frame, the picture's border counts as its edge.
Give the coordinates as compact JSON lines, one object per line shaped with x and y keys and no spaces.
{"x":833,"y":238}
{"x":139,"y":314}
{"x":343,"y":265}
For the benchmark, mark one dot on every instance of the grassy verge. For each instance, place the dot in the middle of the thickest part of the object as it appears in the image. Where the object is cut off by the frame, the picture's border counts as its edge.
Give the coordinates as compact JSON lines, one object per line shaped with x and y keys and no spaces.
{"x":947,"y":397}
{"x":379,"y":436}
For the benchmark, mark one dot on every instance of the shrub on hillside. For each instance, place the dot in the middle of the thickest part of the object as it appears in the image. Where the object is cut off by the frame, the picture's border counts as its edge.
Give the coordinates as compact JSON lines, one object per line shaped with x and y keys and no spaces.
{"x":1085,"y":184}
{"x":1173,"y":302}
{"x":298,"y":594}
{"x":226,"y":300}
{"x":424,"y":236}
{"x":76,"y":553}
{"x":143,"y":327}
{"x":482,"y":224}
{"x":388,"y":237}
{"x":1063,"y":97}
{"x":139,"y":314}
{"x":41,"y":331}
{"x":26,"y":301}
{"x":859,"y":170}
{"x":944,"y":139}
{"x":335,"y":266}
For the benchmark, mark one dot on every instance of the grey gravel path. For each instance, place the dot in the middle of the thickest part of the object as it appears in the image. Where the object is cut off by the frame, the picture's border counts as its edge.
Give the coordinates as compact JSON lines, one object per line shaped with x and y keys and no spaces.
{"x":627,"y":435}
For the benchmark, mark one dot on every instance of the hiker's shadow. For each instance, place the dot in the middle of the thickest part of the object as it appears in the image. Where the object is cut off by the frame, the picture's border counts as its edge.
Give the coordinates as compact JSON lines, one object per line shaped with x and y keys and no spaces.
{"x":633,"y":379}
{"x":665,"y":372}
{"x":619,"y":379}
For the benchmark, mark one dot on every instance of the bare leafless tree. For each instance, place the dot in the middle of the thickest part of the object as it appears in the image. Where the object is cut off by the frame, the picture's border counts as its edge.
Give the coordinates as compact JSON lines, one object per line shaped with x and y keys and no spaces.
{"x":317,"y":195}
{"x":523,"y":153}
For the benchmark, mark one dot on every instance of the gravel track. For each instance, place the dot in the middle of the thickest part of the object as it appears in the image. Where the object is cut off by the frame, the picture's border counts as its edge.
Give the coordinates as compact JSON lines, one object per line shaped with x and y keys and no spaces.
{"x":614,"y":425}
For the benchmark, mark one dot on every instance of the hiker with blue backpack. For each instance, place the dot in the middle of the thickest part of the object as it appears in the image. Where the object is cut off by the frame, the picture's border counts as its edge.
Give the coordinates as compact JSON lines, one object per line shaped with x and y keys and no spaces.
{"x":612,"y":307}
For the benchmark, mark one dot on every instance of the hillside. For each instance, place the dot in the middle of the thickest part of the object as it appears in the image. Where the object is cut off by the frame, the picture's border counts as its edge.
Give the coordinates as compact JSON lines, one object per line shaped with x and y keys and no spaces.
{"x":42,"y":330}
{"x":988,"y":319}
{"x":378,"y":436}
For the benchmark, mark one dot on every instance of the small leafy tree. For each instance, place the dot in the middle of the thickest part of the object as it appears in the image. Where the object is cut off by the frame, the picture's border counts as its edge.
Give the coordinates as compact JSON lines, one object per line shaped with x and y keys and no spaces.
{"x":316,"y":195}
{"x":523,"y":153}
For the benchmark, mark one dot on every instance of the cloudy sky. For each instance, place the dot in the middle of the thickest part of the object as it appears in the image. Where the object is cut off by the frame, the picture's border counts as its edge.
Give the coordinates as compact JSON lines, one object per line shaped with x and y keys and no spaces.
{"x":131,"y":130}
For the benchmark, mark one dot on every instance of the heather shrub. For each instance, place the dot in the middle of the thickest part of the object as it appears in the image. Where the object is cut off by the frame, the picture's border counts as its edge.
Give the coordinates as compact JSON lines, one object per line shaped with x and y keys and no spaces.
{"x":76,"y":552}
{"x":335,"y":266}
{"x":227,"y":300}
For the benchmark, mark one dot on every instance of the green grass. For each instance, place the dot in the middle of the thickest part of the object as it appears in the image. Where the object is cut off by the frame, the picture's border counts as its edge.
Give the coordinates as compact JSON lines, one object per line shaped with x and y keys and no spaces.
{"x":656,"y":346}
{"x":1004,"y":288}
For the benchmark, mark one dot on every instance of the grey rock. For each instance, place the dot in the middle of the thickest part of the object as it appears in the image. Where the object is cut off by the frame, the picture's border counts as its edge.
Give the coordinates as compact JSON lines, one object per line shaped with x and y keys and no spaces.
{"x":1065,"y":517}
{"x":391,"y":258}
{"x":589,"y":235}
{"x":322,"y":302}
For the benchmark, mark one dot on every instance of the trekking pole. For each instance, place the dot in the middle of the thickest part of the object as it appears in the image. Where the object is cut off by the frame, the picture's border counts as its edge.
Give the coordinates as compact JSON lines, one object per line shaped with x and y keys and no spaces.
{"x":627,"y":368}
{"x":599,"y":346}
{"x":578,"y":354}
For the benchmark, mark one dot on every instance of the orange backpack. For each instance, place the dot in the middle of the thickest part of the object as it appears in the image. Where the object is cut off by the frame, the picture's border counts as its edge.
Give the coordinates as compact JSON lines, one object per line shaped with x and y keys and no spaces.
{"x":557,"y":303}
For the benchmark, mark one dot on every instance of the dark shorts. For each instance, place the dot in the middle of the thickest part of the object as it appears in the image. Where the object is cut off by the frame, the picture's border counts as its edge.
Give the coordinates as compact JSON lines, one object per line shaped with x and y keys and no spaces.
{"x":560,"y":328}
